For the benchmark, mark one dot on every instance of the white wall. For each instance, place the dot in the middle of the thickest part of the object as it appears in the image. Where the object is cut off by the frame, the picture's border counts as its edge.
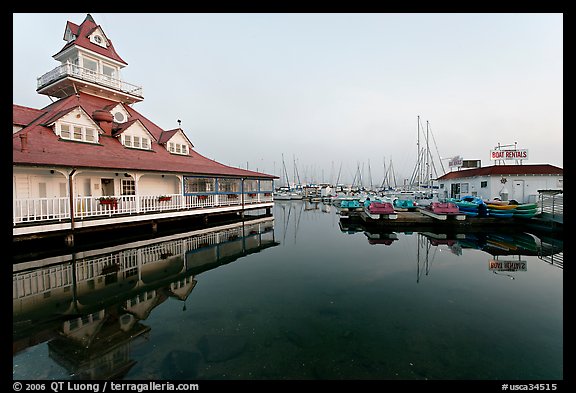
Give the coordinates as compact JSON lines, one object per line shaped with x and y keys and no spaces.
{"x":530,"y":183}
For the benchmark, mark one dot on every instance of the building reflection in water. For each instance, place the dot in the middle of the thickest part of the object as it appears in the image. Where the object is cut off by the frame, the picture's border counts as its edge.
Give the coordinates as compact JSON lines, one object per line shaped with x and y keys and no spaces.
{"x":90,"y":305}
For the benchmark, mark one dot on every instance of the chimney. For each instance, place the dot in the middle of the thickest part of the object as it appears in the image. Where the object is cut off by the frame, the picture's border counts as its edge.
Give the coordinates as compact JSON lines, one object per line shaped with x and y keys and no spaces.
{"x":24,"y":142}
{"x":104,"y":120}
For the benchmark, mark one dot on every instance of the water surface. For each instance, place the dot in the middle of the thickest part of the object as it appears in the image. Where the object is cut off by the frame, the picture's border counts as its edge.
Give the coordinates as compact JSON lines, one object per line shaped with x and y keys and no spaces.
{"x":299,"y":296}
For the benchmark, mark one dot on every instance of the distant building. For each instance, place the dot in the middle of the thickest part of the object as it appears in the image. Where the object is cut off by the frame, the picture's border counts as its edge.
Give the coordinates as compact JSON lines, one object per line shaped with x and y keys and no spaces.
{"x":90,"y":160}
{"x":506,"y":182}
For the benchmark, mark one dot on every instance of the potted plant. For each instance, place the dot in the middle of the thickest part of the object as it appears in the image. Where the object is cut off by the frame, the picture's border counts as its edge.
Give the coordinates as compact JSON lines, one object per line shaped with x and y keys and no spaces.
{"x":112,"y":201}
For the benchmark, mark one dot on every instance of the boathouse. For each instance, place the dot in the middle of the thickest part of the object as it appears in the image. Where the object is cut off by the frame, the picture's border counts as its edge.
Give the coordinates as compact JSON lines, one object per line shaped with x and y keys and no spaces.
{"x":519,"y":182}
{"x":89,"y":161}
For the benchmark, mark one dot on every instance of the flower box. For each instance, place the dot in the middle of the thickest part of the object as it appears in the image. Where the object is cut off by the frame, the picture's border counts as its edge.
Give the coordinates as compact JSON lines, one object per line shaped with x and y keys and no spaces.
{"x":202,"y":197}
{"x":233,"y":196}
{"x":164,"y":198}
{"x":252,"y":195}
{"x":266,"y":194}
{"x":113,"y":202}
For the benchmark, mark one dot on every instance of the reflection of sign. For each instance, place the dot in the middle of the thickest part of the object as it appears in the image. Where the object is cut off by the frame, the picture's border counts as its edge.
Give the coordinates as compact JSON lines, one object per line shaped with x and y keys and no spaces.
{"x":507,"y":266}
{"x":519,"y":154}
{"x":455,"y":161}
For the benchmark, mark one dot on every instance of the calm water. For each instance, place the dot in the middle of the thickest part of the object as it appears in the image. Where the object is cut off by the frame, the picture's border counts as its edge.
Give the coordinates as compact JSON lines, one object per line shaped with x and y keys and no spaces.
{"x":299,"y":296}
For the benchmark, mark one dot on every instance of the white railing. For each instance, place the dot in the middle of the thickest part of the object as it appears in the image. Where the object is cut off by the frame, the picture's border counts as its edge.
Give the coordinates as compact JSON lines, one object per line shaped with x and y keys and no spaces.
{"x":40,"y":209}
{"x":37,"y":210}
{"x":553,"y":204}
{"x":88,"y":75}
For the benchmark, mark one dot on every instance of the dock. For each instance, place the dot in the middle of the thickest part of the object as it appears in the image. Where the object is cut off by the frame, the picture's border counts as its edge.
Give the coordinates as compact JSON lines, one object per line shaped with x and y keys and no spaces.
{"x":417,"y":219}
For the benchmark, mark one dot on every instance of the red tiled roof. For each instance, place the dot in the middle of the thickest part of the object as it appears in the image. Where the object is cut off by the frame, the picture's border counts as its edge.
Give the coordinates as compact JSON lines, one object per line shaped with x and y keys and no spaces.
{"x":82,"y":32}
{"x":166,"y":135}
{"x":528,"y":169}
{"x":45,"y":148}
{"x":22,"y":115}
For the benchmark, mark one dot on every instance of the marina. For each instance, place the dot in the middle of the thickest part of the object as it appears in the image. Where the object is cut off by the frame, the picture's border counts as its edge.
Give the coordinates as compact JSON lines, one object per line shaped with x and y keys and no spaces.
{"x":359,"y":303}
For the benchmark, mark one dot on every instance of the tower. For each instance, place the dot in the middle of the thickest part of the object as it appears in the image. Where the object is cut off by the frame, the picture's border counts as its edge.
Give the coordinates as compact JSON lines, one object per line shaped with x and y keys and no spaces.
{"x":88,"y":63}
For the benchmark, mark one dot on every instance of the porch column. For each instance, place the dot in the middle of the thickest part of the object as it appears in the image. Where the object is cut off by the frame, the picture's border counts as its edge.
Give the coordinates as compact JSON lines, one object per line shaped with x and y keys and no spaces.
{"x":136,"y":192}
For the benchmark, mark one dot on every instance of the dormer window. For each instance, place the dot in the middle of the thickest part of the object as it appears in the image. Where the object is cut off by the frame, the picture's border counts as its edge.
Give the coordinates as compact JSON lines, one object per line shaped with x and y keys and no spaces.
{"x":178,"y":148}
{"x":120,"y":114}
{"x":79,"y":133}
{"x":119,"y":117}
{"x":136,"y":142}
{"x":98,"y":40}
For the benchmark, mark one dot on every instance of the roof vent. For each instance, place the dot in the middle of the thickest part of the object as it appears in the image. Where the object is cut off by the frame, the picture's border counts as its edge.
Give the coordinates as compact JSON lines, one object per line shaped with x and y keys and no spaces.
{"x":24,"y":142}
{"x":104,"y":120}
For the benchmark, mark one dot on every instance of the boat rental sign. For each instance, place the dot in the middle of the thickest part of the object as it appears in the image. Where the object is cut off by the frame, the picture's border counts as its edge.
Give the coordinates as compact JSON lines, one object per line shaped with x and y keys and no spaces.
{"x":518,"y":154}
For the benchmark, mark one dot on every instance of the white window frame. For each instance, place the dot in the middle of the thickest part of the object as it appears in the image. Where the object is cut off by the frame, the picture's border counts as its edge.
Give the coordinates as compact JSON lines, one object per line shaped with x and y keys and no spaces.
{"x":77,"y":133}
{"x":136,"y":142}
{"x":178,"y":148}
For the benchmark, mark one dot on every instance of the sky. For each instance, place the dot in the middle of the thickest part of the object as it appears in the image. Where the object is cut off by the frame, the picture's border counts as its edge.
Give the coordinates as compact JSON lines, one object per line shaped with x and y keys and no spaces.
{"x":326,"y":97}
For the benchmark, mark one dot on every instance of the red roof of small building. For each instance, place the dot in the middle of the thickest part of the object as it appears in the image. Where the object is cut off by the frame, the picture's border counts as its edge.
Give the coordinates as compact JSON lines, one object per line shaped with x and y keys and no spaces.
{"x":528,"y":169}
{"x":45,"y":148}
{"x":82,"y":32}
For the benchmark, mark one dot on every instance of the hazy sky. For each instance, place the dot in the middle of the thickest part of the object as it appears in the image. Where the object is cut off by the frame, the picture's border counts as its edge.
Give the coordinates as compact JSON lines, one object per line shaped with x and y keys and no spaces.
{"x":333,"y":92}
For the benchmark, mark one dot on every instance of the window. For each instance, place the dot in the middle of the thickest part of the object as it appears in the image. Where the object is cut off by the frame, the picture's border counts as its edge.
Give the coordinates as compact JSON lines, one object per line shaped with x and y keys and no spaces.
{"x":266,"y":185}
{"x":229,"y":185}
{"x":97,"y":39}
{"x":250,"y":185}
{"x":78,"y":133}
{"x":128,"y":187}
{"x":177,"y":148}
{"x":483,"y":184}
{"x":90,"y":65}
{"x":199,"y":184}
{"x":119,"y":117}
{"x":136,"y":142}
{"x":109,"y":73}
{"x":89,"y":132}
{"x":65,"y":131}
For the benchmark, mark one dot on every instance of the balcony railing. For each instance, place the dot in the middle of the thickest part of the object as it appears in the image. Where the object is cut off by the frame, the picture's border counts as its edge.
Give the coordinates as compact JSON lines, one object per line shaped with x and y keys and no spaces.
{"x":40,"y":210}
{"x":89,"y":76}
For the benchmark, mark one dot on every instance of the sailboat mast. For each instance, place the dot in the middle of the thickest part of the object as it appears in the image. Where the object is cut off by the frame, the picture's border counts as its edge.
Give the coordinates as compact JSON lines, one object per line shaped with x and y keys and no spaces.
{"x":418,"y":178}
{"x":286,"y":173}
{"x":428,"y":175}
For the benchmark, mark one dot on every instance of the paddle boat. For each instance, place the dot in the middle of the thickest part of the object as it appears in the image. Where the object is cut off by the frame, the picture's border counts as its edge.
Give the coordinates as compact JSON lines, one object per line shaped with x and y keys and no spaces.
{"x":405,"y":204}
{"x":443,"y":210}
{"x":377,"y":210}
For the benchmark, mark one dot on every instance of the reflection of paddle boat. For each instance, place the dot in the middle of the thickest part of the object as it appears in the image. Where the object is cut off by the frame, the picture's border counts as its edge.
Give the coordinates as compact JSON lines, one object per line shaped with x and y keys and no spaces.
{"x":381,"y":238}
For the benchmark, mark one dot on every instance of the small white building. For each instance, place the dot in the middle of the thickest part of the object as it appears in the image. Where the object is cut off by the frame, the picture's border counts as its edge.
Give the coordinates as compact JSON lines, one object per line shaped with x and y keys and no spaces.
{"x":506,"y":182}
